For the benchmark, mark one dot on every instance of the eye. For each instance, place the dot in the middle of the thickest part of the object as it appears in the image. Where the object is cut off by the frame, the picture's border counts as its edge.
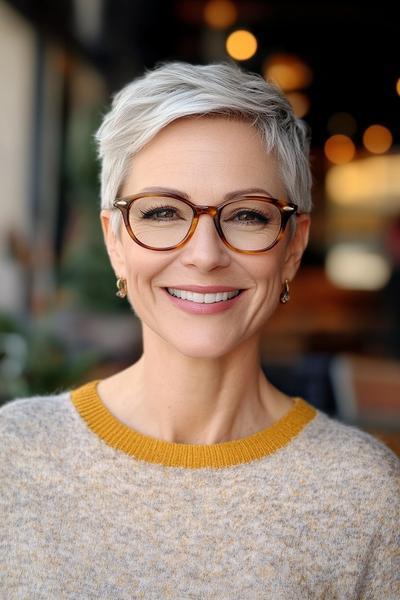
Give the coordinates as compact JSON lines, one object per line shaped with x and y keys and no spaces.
{"x":163,"y":213}
{"x":250,"y":215}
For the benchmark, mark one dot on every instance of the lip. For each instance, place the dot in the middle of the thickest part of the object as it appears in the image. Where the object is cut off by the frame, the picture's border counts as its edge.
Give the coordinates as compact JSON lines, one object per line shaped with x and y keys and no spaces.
{"x":205,"y":289}
{"x":195,"y":308}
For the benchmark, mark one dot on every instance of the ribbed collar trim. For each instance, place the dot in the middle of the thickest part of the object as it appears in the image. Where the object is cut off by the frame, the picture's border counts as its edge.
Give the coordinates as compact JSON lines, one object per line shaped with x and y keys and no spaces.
{"x":224,"y":454}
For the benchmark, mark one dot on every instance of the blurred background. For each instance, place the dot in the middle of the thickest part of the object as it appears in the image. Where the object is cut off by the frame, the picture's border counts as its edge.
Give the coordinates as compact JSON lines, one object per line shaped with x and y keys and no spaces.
{"x":337,"y":342}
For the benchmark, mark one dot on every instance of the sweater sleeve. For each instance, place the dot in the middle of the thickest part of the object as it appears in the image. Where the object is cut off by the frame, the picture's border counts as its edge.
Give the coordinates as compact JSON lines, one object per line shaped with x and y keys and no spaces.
{"x":381,"y":577}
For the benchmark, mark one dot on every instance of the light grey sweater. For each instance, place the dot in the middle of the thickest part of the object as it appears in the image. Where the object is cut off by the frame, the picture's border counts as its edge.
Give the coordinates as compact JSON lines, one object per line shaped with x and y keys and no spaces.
{"x":91,"y":509}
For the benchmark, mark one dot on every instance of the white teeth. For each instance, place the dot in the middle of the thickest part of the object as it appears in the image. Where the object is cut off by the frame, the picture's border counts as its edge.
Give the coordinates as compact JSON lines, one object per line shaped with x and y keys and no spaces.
{"x":202,"y":298}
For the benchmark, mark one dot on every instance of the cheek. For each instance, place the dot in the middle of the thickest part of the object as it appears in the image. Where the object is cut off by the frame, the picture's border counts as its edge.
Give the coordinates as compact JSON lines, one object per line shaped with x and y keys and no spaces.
{"x":139,"y":272}
{"x":267,"y":274}
{"x":144,"y":269}
{"x":266,"y":269}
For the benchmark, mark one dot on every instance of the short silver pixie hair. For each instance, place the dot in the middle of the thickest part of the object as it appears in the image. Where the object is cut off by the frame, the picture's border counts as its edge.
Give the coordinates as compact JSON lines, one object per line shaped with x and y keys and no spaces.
{"x":173,"y":90}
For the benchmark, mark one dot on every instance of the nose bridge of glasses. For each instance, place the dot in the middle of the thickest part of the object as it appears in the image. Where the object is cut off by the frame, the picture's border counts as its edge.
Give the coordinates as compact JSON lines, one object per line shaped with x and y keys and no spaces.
{"x":206,"y":210}
{"x":211,"y":211}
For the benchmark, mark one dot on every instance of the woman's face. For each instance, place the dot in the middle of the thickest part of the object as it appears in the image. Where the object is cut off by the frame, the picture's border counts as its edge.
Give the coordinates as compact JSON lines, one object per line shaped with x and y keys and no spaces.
{"x":205,"y":158}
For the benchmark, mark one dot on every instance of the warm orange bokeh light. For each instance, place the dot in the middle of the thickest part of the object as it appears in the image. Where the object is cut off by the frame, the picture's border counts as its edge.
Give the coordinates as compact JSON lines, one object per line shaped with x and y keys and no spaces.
{"x":287,"y":71}
{"x":370,"y":180}
{"x":220,"y":14}
{"x":398,"y":86}
{"x":339,"y":149}
{"x":377,"y":139}
{"x":241,"y":44}
{"x":300,"y":103}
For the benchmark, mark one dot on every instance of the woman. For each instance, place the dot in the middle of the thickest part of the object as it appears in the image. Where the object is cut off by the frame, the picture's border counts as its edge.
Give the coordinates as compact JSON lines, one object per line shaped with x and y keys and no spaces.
{"x":188,"y":475}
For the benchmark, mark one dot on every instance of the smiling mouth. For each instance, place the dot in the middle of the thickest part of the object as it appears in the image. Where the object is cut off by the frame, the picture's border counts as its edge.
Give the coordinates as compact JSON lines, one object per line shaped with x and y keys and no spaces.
{"x":208,"y":298}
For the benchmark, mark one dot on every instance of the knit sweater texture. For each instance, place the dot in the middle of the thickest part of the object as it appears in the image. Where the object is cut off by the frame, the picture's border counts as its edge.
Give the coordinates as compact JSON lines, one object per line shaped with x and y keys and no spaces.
{"x":308,"y":508}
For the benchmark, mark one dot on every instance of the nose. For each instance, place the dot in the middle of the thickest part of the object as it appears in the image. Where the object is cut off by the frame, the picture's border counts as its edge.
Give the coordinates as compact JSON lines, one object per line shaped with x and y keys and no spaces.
{"x":205,"y":249}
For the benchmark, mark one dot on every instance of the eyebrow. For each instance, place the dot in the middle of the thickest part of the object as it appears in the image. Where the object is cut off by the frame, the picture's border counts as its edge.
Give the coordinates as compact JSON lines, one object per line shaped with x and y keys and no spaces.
{"x":228,"y":196}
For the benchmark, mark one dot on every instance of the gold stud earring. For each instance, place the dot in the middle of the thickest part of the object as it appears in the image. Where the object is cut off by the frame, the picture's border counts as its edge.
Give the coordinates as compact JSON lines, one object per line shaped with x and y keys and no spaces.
{"x":285,"y":296}
{"x":122,"y":288}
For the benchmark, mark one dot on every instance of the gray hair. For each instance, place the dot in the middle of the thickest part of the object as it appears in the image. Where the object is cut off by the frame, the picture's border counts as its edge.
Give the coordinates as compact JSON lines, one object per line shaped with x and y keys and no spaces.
{"x":173,"y":90}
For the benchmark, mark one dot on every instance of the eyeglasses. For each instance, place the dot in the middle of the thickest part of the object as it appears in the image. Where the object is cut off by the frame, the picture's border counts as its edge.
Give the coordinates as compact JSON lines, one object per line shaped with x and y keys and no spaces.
{"x":161,"y":221}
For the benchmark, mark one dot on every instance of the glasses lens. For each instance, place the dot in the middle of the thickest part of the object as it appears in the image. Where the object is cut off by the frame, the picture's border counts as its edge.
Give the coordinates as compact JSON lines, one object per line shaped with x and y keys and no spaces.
{"x":160,"y":222}
{"x":250,"y":224}
{"x":163,"y":222}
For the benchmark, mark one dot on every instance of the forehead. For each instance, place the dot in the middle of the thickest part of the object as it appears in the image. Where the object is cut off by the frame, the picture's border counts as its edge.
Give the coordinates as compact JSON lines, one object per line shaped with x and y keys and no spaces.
{"x":210,"y":130}
{"x":214,"y":152}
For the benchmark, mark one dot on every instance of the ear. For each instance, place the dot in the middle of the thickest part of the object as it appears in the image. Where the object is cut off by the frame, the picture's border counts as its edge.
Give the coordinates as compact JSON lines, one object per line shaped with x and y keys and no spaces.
{"x":296,"y":246}
{"x":114,"y":246}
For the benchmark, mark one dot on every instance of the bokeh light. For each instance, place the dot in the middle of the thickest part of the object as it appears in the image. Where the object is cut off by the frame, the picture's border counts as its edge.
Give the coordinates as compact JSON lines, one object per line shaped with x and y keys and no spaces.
{"x":377,"y":139}
{"x":356,"y":267}
{"x":300,"y":103}
{"x":241,"y":44}
{"x":398,"y":86}
{"x":339,"y":149}
{"x":288,"y":71}
{"x":220,"y":14}
{"x":372,"y":182}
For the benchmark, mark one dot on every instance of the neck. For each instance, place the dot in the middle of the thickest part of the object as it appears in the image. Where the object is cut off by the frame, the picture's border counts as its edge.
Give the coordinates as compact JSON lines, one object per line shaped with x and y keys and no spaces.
{"x":178,"y":398}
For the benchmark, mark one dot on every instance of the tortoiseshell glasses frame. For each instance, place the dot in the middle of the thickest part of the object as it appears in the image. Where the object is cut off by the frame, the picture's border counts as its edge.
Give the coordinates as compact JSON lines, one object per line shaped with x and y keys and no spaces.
{"x":286,"y":209}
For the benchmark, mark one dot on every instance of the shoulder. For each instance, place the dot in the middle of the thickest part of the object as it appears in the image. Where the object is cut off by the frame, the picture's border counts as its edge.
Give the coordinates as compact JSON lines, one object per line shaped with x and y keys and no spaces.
{"x":355,"y":461}
{"x":351,"y":444}
{"x":32,"y":406}
{"x":26,"y":418}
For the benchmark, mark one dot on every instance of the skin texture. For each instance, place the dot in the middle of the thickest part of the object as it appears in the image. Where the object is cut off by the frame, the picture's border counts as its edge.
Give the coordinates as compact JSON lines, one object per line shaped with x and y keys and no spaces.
{"x":199,"y":379}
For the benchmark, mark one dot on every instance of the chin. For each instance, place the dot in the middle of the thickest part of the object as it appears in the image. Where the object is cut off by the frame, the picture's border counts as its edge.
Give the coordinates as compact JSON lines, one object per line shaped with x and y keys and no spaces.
{"x":200,"y":347}
{"x":205,"y":341}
